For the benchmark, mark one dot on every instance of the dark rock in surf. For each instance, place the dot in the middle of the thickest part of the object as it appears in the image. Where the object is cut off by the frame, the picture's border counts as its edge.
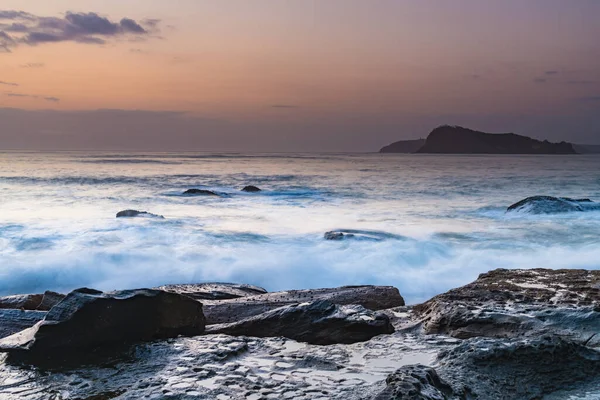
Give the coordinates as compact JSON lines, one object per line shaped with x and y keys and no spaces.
{"x":251,"y":189}
{"x":552,"y":205}
{"x":370,"y":297}
{"x":200,"y":192}
{"x":136,"y":213}
{"x":415,"y":382}
{"x":319,"y":322}
{"x":332,"y":235}
{"x":88,"y":318}
{"x":15,"y":320}
{"x":214,"y":291}
{"x":41,"y":302}
{"x":359,"y":234}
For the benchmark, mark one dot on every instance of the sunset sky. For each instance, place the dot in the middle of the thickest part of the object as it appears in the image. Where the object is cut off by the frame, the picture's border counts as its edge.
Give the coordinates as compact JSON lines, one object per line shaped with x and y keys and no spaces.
{"x":297,"y":75}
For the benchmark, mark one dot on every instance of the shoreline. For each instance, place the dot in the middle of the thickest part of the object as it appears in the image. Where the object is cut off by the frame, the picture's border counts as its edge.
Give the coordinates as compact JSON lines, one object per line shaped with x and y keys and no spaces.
{"x":518,"y":321}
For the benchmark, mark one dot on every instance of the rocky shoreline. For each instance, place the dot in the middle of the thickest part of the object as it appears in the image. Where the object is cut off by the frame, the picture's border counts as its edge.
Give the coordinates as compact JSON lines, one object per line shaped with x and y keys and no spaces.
{"x":511,"y":334}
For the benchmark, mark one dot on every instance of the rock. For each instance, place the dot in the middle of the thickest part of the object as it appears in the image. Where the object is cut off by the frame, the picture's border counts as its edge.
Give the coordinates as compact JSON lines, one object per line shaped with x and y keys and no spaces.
{"x":200,"y":192}
{"x":49,"y":300}
{"x":214,"y":291}
{"x":514,"y":303}
{"x":136,"y":213}
{"x":370,"y":297}
{"x":415,"y":382}
{"x":251,"y":189}
{"x":403,"y":146}
{"x":459,"y":140}
{"x":41,"y":302}
{"x":319,"y":322}
{"x":13,"y":320}
{"x":21,"y":301}
{"x":358,"y":234}
{"x":518,"y":369}
{"x":331,"y":235}
{"x":552,"y":205}
{"x":88,"y":318}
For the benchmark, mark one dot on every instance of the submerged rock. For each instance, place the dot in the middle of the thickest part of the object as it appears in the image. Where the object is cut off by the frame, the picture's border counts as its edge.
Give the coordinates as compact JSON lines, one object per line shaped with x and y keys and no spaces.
{"x":41,"y":301}
{"x":319,"y":322}
{"x":136,"y":213}
{"x":371,"y":297}
{"x":343,"y":234}
{"x":88,"y":318}
{"x":200,"y":192}
{"x":251,"y":189}
{"x":415,"y":382}
{"x":552,"y":205}
{"x":214,"y":291}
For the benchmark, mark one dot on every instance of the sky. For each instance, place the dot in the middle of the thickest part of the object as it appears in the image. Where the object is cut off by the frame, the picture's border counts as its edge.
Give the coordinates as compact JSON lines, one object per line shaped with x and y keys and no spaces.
{"x":295,"y":75}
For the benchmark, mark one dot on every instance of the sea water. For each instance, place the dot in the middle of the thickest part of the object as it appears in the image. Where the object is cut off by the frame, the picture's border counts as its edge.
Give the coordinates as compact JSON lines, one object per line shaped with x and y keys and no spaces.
{"x":441,"y":219}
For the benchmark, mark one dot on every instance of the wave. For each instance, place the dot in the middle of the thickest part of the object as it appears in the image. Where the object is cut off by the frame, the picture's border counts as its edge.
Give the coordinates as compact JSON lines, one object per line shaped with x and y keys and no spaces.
{"x":145,"y":255}
{"x":128,"y":161}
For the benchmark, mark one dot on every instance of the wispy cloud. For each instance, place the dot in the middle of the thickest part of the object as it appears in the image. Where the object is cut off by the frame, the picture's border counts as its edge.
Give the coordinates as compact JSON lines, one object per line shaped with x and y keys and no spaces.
{"x":551,"y":72}
{"x":33,"y":65}
{"x":22,"y":28}
{"x":8,"y":83}
{"x":581,"y":82}
{"x":540,"y":80}
{"x":33,"y":96}
{"x":284,"y":106}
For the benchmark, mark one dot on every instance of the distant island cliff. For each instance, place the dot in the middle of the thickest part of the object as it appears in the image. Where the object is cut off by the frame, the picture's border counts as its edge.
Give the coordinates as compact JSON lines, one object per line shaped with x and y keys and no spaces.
{"x":458,"y":140}
{"x":404,"y":146}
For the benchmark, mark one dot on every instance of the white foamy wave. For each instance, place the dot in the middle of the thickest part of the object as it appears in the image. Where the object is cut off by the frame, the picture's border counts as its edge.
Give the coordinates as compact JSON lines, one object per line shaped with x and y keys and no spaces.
{"x":136,"y":258}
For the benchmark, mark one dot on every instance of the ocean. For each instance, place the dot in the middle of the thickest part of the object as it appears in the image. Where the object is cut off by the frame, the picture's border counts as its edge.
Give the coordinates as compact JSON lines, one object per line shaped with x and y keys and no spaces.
{"x":438,"y":220}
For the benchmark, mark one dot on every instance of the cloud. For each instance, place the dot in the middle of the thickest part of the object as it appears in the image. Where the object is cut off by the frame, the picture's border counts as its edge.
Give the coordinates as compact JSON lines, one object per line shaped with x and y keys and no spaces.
{"x":551,"y":72}
{"x":33,"y":96}
{"x":11,"y":14}
{"x":33,"y":65}
{"x":540,"y":80}
{"x":87,"y":28}
{"x":8,"y":83}
{"x":283,"y":106}
{"x":581,"y":82}
{"x":590,"y":99}
{"x":6,"y":42}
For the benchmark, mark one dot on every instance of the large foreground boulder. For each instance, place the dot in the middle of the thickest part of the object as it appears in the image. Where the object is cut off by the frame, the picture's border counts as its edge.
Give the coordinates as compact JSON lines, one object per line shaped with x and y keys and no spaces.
{"x":512,"y":303}
{"x":214,"y":291}
{"x":518,"y":369}
{"x":88,"y":318}
{"x":370,"y":297}
{"x":136,"y":213}
{"x":553,"y":205}
{"x":319,"y":322}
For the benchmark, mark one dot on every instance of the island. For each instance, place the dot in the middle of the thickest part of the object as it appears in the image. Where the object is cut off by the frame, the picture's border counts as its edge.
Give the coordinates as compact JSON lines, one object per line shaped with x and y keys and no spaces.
{"x":404,"y":146}
{"x":451,"y":139}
